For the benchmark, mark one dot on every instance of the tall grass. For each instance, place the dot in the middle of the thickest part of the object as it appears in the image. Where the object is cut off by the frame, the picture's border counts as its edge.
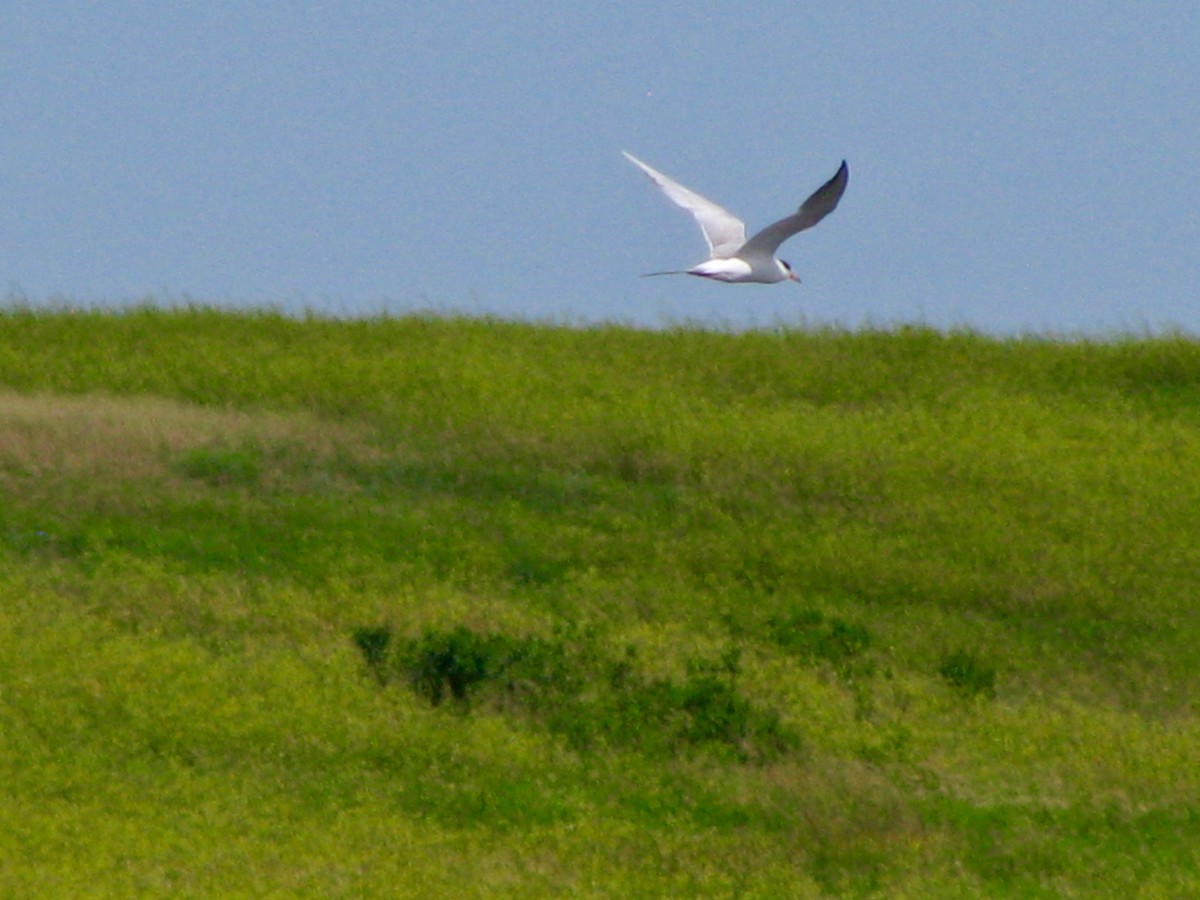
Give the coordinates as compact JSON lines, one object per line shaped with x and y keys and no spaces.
{"x":899,"y":612}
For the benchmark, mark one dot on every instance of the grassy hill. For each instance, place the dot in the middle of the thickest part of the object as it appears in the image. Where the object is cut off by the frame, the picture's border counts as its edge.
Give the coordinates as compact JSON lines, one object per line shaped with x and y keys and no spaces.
{"x":449,"y":607}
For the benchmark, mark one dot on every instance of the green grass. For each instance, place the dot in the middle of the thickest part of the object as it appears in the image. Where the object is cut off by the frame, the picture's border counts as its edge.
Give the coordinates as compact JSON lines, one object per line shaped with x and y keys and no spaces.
{"x":452,"y":607}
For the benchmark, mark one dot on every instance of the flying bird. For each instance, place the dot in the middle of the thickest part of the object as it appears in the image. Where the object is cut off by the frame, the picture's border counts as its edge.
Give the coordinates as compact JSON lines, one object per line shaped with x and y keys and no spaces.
{"x":732,"y":258}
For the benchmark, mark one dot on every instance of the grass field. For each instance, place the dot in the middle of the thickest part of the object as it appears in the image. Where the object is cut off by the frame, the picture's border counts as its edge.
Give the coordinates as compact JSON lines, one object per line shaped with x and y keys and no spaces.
{"x":445,"y":607}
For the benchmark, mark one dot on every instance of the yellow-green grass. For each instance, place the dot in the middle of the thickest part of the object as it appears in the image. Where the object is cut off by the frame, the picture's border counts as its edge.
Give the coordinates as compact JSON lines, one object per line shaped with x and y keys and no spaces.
{"x":961,"y":572}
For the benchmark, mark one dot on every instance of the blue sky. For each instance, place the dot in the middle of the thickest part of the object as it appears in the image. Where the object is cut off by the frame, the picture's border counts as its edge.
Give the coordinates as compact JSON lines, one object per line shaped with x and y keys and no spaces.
{"x":1019,"y":166}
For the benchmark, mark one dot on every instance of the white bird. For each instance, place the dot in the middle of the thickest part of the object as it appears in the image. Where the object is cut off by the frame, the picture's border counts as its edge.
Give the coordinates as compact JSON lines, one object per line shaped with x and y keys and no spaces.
{"x":732,"y":258}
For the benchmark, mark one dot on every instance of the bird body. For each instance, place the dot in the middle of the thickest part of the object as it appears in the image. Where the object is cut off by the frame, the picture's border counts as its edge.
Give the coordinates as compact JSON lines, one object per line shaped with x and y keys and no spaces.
{"x":732,"y":258}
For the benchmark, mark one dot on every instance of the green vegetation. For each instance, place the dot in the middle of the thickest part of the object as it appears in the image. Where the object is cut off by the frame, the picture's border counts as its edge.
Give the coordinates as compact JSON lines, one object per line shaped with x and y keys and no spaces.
{"x":592,"y":702}
{"x":447,"y":607}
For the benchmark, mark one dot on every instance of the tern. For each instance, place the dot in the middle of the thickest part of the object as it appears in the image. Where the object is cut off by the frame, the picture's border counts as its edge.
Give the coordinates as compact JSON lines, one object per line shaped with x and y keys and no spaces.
{"x":732,"y":258}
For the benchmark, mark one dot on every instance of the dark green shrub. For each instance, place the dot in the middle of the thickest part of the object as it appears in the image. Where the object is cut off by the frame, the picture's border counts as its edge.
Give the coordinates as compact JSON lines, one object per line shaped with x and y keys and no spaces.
{"x":460,"y":662}
{"x":457,"y":661}
{"x":807,"y":634}
{"x":664,"y":716}
{"x":373,"y":642}
{"x":966,"y":673}
{"x":566,"y":683}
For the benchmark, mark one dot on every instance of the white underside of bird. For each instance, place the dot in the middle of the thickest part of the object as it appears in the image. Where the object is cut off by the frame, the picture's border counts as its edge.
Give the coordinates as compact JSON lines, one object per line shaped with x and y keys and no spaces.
{"x":732,"y":258}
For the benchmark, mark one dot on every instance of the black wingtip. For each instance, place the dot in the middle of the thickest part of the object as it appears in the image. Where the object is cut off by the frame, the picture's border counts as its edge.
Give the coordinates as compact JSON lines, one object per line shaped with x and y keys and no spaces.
{"x":839,"y":180}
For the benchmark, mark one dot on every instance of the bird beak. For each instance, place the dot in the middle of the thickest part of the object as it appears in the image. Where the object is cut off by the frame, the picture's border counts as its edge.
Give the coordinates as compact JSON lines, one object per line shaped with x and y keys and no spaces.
{"x":794,"y":277}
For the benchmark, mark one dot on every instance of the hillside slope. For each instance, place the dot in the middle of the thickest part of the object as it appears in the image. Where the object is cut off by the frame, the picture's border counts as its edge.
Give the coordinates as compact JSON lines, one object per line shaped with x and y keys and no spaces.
{"x":422,"y":606}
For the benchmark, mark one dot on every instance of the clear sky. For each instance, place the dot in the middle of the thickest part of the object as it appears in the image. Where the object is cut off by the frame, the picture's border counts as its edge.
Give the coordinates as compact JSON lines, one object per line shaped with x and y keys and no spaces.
{"x":1014,"y":166}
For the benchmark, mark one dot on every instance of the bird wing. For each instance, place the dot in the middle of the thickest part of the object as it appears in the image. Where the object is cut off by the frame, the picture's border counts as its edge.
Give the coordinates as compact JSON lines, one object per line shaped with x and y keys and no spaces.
{"x":724,"y":231}
{"x":823,"y":201}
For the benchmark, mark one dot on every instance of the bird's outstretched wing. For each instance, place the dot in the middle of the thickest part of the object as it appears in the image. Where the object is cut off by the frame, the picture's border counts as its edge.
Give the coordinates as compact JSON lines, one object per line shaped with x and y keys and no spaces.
{"x":724,"y":231}
{"x":822,"y":202}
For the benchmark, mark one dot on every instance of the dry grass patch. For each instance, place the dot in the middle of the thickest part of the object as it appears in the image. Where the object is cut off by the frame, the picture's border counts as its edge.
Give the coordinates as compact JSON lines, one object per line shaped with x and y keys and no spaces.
{"x":138,"y":438}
